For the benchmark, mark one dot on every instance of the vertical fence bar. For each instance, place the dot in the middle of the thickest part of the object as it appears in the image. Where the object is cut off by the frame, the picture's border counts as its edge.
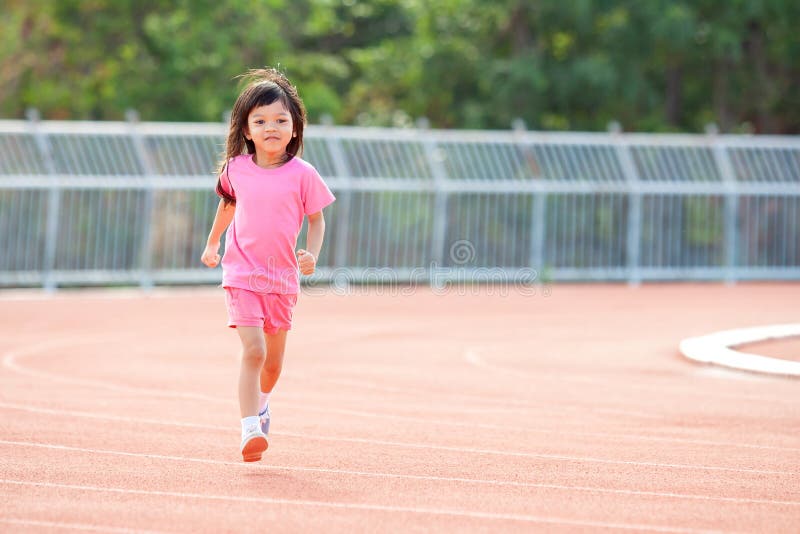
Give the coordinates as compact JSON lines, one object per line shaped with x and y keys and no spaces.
{"x":53,"y":201}
{"x":634,"y":233}
{"x":345,"y":199}
{"x":146,"y":247}
{"x":536,"y":256}
{"x":731,"y":216}
{"x":439,"y":173}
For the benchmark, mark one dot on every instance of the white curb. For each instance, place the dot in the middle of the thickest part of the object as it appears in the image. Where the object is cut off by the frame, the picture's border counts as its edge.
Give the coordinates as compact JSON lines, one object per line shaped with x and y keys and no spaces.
{"x":715,"y":348}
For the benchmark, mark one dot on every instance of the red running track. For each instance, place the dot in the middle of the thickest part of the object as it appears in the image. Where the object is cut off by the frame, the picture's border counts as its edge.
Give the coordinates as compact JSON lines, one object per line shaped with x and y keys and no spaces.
{"x":782,"y":349}
{"x":399,"y":412}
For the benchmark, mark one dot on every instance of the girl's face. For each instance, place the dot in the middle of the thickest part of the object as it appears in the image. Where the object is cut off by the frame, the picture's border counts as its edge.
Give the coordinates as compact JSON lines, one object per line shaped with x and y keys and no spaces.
{"x":270,"y":128}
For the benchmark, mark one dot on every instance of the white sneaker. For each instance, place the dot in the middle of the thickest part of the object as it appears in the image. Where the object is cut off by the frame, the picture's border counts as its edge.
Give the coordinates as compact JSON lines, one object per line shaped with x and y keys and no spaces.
{"x":254,"y":444}
{"x":264,"y":416}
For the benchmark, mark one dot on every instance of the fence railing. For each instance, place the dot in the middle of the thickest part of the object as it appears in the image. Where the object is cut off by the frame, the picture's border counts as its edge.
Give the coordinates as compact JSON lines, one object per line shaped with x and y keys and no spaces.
{"x":130,"y":202}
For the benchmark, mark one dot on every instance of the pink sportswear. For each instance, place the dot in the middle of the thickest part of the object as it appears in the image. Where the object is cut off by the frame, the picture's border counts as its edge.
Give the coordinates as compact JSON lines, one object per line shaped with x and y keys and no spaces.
{"x":270,"y":206}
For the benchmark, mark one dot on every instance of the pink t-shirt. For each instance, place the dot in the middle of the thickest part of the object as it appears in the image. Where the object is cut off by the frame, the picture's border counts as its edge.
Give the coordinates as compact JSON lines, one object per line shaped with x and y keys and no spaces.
{"x":270,"y":206}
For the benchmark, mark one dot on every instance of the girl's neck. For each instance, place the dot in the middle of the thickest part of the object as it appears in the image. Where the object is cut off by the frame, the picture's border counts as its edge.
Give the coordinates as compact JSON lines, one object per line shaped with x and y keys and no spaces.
{"x":270,"y":161}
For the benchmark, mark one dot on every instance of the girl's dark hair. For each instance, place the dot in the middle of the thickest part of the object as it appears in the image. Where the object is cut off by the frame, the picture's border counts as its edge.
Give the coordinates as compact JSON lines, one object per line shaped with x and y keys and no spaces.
{"x":264,"y":87}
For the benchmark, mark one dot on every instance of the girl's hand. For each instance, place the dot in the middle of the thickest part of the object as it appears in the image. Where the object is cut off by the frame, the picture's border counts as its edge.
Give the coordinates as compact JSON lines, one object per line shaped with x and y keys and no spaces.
{"x":210,"y":256}
{"x":307,"y":261}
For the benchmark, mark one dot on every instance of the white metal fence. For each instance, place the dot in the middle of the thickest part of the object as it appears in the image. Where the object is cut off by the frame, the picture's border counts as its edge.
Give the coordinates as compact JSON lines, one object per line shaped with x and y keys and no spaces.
{"x":129,"y":202}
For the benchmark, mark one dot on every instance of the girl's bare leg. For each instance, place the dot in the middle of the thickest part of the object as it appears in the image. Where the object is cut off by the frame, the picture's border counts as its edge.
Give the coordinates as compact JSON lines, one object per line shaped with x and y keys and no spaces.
{"x":276,"y":346}
{"x":253,"y":356}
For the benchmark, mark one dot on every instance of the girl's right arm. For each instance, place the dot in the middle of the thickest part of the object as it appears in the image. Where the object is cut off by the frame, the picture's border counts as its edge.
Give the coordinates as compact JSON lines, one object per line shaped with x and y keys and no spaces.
{"x":222,"y":220}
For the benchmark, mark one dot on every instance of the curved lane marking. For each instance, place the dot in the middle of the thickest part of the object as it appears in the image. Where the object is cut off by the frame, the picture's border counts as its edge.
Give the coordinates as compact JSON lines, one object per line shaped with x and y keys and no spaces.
{"x":716,"y":349}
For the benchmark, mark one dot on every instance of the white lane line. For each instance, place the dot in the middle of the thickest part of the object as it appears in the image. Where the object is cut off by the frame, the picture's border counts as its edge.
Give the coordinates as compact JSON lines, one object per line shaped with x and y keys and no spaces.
{"x":356,"y":506}
{"x":429,"y":478}
{"x":74,"y":526}
{"x":426,"y":405}
{"x":716,"y":348}
{"x":577,"y":459}
{"x":516,"y":403}
{"x":485,"y":426}
{"x":507,"y":428}
{"x":38,"y":295}
{"x":472,"y":357}
{"x":469,"y":450}
{"x":9,"y":361}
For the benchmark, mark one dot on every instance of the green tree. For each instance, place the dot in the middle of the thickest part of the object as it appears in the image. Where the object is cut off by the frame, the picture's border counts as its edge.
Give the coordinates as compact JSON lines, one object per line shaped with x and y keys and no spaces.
{"x":659,"y":65}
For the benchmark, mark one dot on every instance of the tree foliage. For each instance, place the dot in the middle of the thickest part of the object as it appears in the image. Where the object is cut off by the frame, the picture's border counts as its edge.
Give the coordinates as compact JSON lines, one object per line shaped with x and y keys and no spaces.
{"x":660,"y":65}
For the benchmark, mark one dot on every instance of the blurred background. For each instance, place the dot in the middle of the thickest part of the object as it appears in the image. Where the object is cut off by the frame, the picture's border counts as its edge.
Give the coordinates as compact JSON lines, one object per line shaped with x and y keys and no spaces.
{"x":586,"y":140}
{"x":660,"y":65}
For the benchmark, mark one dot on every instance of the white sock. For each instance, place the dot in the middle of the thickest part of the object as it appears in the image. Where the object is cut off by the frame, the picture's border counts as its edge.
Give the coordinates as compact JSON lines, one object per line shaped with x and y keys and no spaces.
{"x":250,"y":422}
{"x":263,"y":400}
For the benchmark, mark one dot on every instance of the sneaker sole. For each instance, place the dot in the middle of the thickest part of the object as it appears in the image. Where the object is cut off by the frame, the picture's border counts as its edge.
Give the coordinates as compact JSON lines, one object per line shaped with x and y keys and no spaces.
{"x":253,"y":449}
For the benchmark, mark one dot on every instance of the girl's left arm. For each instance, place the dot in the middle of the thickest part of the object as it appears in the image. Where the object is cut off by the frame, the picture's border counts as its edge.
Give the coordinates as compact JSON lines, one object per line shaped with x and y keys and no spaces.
{"x":314,"y":238}
{"x":316,"y":233}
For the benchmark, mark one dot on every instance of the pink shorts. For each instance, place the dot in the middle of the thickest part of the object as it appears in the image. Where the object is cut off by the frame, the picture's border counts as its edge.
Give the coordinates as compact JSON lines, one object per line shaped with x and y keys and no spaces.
{"x":270,"y":311}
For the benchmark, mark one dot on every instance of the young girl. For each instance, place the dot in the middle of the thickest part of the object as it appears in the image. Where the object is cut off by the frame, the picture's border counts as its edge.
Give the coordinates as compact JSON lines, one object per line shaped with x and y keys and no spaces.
{"x":266,"y":190}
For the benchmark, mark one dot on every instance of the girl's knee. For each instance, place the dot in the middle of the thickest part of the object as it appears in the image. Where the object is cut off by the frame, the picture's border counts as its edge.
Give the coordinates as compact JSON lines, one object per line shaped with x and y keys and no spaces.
{"x":254,"y":355}
{"x":272,"y":368}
